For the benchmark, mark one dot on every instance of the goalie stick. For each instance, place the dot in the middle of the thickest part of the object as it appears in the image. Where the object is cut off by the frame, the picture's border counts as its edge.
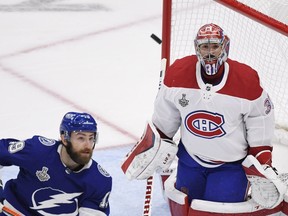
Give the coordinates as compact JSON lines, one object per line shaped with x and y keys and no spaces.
{"x":150,"y":180}
{"x":148,"y":196}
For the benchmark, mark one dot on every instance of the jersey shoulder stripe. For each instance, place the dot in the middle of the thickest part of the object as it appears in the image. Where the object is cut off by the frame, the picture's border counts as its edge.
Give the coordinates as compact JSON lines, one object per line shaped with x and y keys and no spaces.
{"x":242,"y":82}
{"x":182,"y":73}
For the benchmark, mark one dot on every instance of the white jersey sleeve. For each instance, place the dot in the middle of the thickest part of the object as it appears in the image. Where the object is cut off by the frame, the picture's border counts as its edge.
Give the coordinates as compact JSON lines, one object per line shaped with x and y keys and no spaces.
{"x":259,"y":121}
{"x":166,"y":115}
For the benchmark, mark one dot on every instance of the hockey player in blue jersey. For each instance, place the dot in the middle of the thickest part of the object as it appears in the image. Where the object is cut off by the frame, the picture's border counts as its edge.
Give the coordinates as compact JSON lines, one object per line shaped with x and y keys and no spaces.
{"x":57,"y":177}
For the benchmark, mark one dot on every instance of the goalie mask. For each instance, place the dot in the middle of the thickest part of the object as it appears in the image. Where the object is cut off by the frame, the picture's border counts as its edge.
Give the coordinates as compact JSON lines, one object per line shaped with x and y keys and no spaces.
{"x":212,"y":47}
{"x":73,"y":122}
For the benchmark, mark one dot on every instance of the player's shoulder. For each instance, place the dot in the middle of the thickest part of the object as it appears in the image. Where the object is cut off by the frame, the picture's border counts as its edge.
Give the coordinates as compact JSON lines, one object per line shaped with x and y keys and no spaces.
{"x":242,"y":69}
{"x":96,"y":173}
{"x":100,"y":171}
{"x":40,"y":145}
{"x":33,"y":144}
{"x":185,"y":61}
{"x":182,"y":73}
{"x":243,"y":81}
{"x":42,"y":140}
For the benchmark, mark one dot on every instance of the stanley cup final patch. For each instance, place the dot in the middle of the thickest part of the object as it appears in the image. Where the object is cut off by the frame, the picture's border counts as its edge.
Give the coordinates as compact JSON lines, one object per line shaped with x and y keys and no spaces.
{"x":183,"y":101}
{"x":43,"y":175}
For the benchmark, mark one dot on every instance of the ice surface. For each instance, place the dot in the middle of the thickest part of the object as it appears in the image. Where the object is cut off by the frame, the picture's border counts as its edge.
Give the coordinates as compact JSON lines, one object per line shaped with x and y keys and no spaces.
{"x":94,"y":56}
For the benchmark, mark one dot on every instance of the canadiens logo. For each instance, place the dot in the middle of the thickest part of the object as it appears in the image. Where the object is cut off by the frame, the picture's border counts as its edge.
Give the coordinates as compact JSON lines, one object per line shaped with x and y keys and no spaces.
{"x":205,"y":124}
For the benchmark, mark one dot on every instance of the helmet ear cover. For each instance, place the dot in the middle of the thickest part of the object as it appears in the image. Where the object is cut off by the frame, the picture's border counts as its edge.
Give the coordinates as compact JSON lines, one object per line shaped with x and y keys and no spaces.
{"x":212,"y":34}
{"x":74,"y":122}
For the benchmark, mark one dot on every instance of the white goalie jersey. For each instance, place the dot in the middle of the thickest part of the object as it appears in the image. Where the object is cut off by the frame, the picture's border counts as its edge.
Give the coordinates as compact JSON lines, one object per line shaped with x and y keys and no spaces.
{"x":220,"y":122}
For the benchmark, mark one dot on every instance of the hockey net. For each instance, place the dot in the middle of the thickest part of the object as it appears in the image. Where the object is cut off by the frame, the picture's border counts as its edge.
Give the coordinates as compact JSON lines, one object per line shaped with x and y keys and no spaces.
{"x":258,"y":37}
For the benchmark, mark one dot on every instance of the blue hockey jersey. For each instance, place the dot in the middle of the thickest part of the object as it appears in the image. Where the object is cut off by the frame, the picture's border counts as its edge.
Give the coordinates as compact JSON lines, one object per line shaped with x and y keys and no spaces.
{"x":45,"y":186}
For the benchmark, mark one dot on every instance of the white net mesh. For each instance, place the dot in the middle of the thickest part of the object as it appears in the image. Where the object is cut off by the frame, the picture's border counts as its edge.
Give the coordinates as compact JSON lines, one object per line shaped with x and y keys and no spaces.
{"x":252,"y":43}
{"x":277,"y":9}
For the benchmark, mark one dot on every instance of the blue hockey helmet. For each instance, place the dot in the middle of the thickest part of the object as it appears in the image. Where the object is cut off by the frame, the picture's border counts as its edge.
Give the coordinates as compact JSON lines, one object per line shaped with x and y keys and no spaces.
{"x":74,"y":121}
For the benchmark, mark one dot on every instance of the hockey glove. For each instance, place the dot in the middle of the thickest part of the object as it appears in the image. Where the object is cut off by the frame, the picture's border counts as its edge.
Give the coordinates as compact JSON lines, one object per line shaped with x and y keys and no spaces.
{"x":150,"y":154}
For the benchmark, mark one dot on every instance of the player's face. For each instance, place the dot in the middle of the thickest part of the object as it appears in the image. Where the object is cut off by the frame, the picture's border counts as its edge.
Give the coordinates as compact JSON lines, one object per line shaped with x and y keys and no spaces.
{"x":210,"y":51}
{"x":81,"y":145}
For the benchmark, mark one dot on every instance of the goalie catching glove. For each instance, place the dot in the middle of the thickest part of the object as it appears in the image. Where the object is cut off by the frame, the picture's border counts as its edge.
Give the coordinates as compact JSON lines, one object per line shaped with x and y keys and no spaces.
{"x":267,"y":187}
{"x":150,"y":154}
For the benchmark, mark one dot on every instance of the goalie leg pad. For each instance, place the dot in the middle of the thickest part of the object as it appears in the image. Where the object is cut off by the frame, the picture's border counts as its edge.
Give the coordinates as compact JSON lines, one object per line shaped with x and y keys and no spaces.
{"x":150,"y":154}
{"x":250,"y":207}
{"x":285,"y":205}
{"x":177,"y":200}
{"x":267,"y":188}
{"x":165,"y":174}
{"x":178,"y":203}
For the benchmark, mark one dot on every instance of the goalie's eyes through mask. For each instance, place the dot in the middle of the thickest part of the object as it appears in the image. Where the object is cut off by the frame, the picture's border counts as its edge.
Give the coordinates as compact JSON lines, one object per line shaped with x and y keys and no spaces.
{"x":210,"y":52}
{"x":209,"y":47}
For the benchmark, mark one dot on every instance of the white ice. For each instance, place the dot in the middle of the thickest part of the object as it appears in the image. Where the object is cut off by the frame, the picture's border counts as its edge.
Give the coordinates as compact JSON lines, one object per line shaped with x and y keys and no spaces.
{"x":85,"y":55}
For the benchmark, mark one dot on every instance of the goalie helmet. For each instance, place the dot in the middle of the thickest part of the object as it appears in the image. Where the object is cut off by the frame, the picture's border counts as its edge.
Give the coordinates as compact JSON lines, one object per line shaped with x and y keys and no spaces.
{"x":212,"y":47}
{"x":73,"y":122}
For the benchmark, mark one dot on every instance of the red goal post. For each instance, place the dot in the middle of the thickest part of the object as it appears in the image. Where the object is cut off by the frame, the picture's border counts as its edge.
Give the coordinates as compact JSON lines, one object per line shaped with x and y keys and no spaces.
{"x":258,"y":34}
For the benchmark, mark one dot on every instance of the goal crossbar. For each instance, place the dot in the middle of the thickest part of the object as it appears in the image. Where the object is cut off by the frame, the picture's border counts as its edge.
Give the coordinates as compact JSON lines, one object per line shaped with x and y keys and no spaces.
{"x":256,"y":15}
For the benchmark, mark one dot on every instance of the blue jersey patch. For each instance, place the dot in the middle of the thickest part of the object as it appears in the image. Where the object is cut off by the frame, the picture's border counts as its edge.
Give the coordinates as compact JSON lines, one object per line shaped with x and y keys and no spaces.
{"x":16,"y":146}
{"x":46,"y":141}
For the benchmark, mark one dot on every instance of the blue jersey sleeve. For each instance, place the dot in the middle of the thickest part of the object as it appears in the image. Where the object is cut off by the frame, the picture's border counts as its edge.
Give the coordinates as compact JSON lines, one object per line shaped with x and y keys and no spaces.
{"x":23,"y":153}
{"x":99,"y":188}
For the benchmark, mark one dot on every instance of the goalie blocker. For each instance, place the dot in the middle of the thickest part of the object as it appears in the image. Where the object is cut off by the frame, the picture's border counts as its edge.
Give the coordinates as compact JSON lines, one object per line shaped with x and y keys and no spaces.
{"x":150,"y":154}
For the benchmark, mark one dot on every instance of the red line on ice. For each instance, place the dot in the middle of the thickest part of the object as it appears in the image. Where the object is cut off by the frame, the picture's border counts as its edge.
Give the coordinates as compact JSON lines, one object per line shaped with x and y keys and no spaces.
{"x":62,"y":42}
